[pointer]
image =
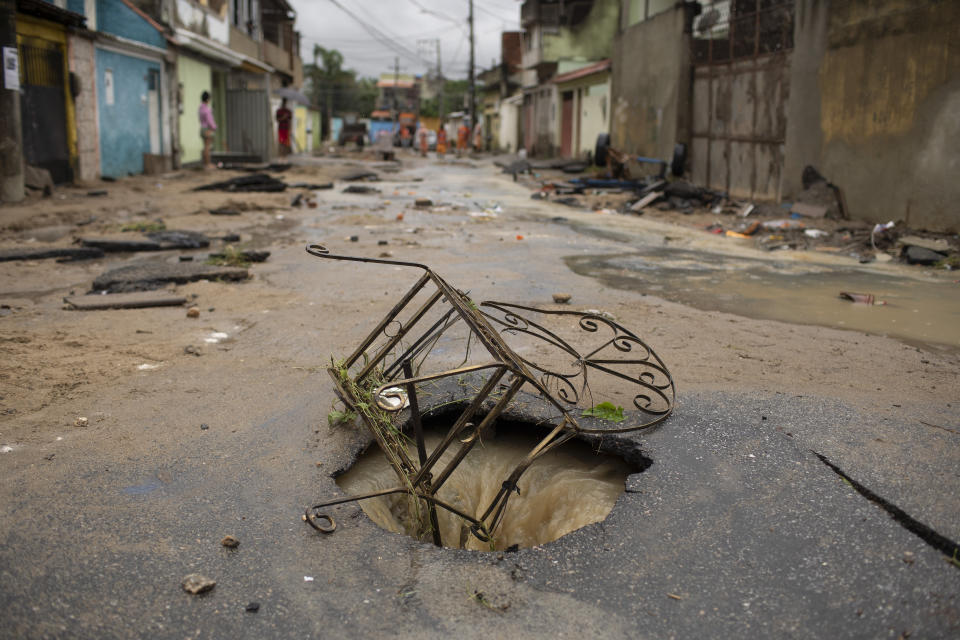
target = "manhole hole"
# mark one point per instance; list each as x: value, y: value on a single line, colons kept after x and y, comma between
x: 579, y: 375
x: 562, y: 491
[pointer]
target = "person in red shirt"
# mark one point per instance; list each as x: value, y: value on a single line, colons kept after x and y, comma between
x: 284, y: 119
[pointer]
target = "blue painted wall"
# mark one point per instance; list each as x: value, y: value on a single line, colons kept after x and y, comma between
x: 124, y: 125
x: 114, y: 17
x: 76, y: 6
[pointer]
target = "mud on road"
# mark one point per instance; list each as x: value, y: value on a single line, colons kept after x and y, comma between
x: 103, y: 519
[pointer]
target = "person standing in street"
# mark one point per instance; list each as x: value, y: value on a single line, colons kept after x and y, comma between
x: 207, y: 128
x: 441, y: 141
x: 284, y: 120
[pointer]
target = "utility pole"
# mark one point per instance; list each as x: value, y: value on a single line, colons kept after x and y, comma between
x: 396, y: 88
x: 11, y: 135
x: 473, y: 84
x: 441, y: 81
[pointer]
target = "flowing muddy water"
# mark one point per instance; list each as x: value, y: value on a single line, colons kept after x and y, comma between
x: 923, y: 311
x: 564, y: 490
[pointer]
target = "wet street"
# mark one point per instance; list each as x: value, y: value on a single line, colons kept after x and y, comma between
x: 806, y: 484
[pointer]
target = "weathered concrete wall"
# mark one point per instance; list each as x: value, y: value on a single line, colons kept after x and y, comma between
x: 83, y: 65
x: 889, y: 108
x: 589, y: 40
x: 651, y: 86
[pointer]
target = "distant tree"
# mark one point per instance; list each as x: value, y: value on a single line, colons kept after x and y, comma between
x: 336, y: 89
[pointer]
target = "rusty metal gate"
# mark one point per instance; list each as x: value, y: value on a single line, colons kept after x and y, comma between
x: 249, y: 125
x: 43, y: 107
x: 741, y: 58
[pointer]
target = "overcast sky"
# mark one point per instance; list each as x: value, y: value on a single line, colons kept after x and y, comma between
x: 397, y: 27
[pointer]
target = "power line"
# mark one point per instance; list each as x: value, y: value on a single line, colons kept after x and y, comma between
x: 381, y: 37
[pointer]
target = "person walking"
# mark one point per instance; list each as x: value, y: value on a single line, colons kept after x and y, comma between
x: 422, y: 140
x: 207, y: 128
x: 441, y: 141
x: 463, y: 136
x: 284, y: 119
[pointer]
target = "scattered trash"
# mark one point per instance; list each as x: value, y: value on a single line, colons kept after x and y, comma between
x: 308, y: 578
x: 782, y: 224
x: 6, y: 449
x: 747, y: 209
x: 399, y: 216
x: 815, y: 233
x: 193, y: 312
x: 191, y: 350
x: 519, y: 237
x: 606, y: 411
x: 648, y: 199
x: 97, y: 193
x: 147, y: 367
x: 561, y: 298
x: 253, y: 607
x: 225, y: 211
x: 297, y: 200
x: 382, y: 243
x: 230, y: 542
x: 197, y: 584
x: 354, y: 238
x: 859, y: 298
x: 81, y: 422
x: 422, y: 203
x: 215, y: 337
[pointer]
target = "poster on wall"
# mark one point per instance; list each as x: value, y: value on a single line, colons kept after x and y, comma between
x: 11, y: 69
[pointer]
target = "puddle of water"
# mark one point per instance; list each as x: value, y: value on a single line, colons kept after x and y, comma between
x: 564, y: 490
x: 922, y: 311
x: 143, y: 489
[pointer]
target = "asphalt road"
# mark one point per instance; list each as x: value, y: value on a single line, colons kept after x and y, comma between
x: 736, y: 529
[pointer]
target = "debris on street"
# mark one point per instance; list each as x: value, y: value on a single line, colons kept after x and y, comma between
x: 196, y: 584
x: 256, y: 182
x: 137, y: 300
x: 63, y: 254
x: 147, y: 276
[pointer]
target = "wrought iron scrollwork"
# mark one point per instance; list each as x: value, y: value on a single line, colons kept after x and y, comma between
x: 588, y: 353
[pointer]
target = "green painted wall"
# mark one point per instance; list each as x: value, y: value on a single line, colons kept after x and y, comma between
x: 592, y: 39
x: 194, y: 78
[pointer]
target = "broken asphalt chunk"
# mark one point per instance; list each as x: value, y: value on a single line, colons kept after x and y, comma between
x: 197, y: 584
x: 41, y: 253
x: 922, y: 255
x: 255, y: 182
x: 363, y: 174
x: 153, y: 241
x: 137, y: 300
x: 154, y: 275
x: 359, y: 188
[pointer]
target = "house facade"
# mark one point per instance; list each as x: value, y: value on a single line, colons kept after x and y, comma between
x: 560, y: 36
